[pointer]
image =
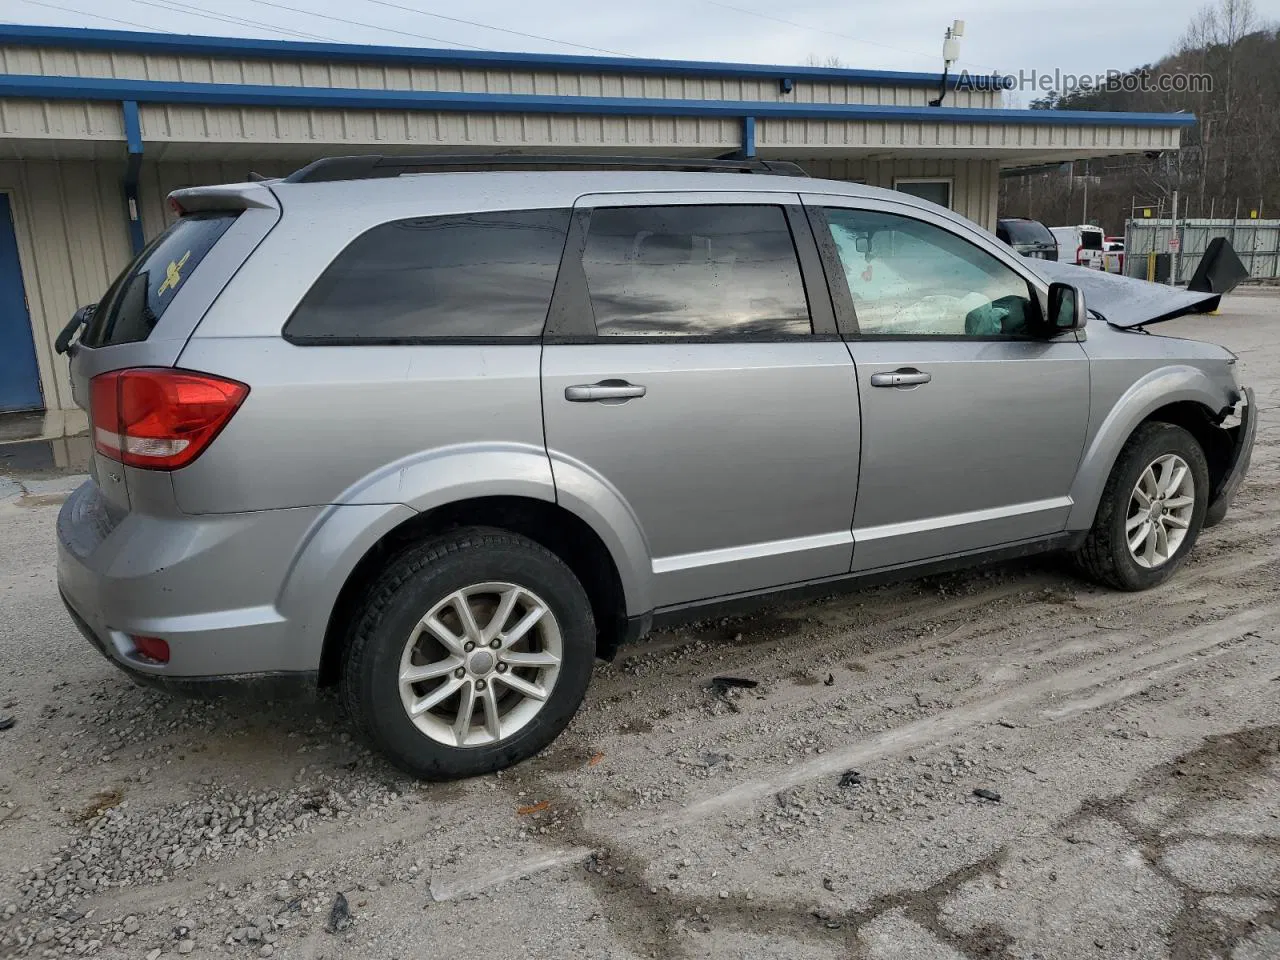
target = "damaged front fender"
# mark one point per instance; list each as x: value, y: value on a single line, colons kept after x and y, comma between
x: 1167, y: 386
x: 1243, y: 435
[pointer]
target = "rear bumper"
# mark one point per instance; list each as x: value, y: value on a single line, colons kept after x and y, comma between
x: 207, y: 585
x: 1241, y: 455
x: 301, y: 685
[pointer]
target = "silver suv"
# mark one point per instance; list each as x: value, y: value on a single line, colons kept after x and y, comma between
x: 442, y: 437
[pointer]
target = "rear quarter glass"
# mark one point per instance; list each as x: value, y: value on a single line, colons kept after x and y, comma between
x: 138, y: 298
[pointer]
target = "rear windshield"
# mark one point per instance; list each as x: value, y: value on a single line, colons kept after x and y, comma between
x: 1091, y: 239
x: 1027, y: 231
x: 134, y: 304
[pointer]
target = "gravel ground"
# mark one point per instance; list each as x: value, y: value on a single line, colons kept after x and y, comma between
x: 1127, y: 748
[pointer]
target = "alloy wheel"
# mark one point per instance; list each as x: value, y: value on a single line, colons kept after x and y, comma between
x: 1160, y: 511
x: 480, y: 664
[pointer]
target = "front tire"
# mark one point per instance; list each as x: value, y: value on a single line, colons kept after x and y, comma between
x: 1151, y: 512
x: 471, y: 652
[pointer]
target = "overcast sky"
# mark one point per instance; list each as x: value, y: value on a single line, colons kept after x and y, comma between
x: 1079, y: 36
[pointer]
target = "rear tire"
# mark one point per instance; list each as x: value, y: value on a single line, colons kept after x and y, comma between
x: 1148, y: 499
x: 442, y: 688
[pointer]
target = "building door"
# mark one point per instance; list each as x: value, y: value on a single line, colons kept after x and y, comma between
x: 19, y: 375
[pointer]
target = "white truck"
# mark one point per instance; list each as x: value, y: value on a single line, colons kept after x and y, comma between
x: 1082, y: 245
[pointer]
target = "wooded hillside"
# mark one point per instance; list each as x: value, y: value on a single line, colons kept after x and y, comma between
x: 1229, y: 160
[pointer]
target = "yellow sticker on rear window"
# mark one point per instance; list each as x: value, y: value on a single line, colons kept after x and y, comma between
x: 173, y: 274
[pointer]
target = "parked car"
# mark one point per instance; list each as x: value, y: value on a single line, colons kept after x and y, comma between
x: 444, y: 438
x: 1031, y: 238
x: 1081, y: 245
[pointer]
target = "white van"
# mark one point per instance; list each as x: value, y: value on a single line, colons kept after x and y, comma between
x: 1082, y: 245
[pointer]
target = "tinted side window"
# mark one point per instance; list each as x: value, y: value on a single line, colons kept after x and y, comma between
x: 908, y: 277
x: 473, y: 275
x: 138, y: 298
x: 694, y: 271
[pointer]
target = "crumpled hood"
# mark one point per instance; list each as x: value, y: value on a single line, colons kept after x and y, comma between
x: 1124, y: 301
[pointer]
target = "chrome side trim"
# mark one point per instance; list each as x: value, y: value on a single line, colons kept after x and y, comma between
x: 751, y: 551
x: 958, y: 519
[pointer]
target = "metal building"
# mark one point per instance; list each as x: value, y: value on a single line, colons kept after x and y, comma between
x: 96, y: 127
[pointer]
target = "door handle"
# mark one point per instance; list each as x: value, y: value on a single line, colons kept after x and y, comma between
x: 617, y: 391
x: 906, y: 377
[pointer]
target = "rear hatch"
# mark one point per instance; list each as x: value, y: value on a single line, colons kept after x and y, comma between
x: 147, y: 315
x: 1031, y: 238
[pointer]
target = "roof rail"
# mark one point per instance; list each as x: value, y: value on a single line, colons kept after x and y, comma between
x: 368, y: 167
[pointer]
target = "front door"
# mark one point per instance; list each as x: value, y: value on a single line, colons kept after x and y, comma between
x: 687, y: 383
x: 973, y: 415
x: 19, y: 375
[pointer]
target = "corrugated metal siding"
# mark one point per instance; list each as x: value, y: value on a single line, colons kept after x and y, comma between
x: 203, y: 69
x: 60, y: 120
x: 257, y: 125
x: 1007, y: 137
x: 975, y: 183
x: 84, y: 121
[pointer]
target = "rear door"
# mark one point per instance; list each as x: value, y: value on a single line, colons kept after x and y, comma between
x: 692, y: 369
x: 149, y: 311
x: 1091, y: 253
x: 973, y: 415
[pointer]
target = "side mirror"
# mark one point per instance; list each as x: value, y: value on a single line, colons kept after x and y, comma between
x: 1066, y: 307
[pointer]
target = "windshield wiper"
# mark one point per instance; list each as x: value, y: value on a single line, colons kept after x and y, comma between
x: 78, y: 321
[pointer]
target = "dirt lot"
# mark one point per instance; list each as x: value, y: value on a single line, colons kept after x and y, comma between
x: 1134, y: 742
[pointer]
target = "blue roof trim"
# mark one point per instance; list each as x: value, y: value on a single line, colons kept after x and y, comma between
x: 171, y: 43
x: 245, y: 95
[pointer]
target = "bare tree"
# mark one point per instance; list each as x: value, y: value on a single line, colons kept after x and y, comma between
x: 1233, y: 151
x: 1213, y: 40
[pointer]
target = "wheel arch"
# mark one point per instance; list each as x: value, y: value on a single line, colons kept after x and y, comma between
x: 558, y: 529
x: 1183, y: 396
x: 1203, y: 424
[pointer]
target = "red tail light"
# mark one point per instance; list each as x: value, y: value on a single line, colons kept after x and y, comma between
x: 158, y: 418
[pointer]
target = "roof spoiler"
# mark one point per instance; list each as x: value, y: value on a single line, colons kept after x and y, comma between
x: 227, y: 196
